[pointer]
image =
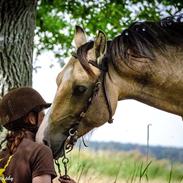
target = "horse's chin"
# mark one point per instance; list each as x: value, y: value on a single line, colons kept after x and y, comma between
x: 59, y: 152
x: 57, y: 146
x: 56, y: 139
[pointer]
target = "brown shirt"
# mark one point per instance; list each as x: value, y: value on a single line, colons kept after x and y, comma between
x: 30, y: 160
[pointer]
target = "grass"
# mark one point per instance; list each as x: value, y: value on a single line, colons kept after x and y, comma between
x: 87, y: 166
x: 121, y: 167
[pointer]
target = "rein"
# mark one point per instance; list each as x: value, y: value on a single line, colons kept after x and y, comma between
x: 72, y: 136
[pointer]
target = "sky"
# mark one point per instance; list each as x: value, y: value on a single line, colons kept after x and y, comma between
x: 131, y: 117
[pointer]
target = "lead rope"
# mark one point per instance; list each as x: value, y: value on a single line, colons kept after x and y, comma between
x: 68, y: 146
x: 58, y: 166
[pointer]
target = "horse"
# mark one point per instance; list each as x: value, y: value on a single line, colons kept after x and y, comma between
x: 144, y: 63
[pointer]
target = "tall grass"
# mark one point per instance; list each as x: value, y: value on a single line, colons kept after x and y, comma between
x: 118, y: 167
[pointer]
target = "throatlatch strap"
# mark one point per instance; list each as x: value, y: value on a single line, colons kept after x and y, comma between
x: 106, y: 94
x: 103, y: 68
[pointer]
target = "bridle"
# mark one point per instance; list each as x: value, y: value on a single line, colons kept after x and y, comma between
x: 73, y: 131
x: 101, y: 81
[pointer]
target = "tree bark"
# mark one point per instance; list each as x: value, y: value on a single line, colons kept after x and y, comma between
x: 17, y: 25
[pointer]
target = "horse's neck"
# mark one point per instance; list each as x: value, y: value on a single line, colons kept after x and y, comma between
x: 152, y: 82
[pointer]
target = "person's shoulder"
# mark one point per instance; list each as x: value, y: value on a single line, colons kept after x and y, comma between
x: 41, y: 148
x: 35, y: 146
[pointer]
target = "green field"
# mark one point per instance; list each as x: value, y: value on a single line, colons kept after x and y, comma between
x: 121, y: 167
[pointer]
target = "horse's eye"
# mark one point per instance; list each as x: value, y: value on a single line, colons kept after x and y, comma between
x: 78, y: 90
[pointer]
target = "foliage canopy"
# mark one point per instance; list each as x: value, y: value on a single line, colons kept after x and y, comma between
x: 56, y: 19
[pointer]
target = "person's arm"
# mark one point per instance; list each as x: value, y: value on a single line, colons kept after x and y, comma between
x: 42, y: 165
x: 42, y: 179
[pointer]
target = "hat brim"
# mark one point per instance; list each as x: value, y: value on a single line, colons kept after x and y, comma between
x: 47, y: 105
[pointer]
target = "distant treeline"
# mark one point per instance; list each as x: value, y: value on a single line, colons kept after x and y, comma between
x: 159, y: 152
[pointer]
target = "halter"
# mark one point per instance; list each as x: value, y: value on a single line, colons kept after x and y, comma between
x: 101, y: 81
x: 72, y: 136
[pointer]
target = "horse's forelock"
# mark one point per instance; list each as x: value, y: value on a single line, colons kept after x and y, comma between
x: 82, y: 56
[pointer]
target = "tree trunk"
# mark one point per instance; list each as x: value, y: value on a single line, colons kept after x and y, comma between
x: 17, y: 25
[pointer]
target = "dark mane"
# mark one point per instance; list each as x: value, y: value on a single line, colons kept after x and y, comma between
x: 142, y: 39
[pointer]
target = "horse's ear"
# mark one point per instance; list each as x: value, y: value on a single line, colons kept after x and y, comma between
x: 79, y: 37
x: 100, y: 46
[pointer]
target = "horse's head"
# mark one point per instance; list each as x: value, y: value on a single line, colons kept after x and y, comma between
x: 79, y: 91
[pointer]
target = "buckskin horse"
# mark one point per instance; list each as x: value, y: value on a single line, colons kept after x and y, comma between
x: 144, y: 62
